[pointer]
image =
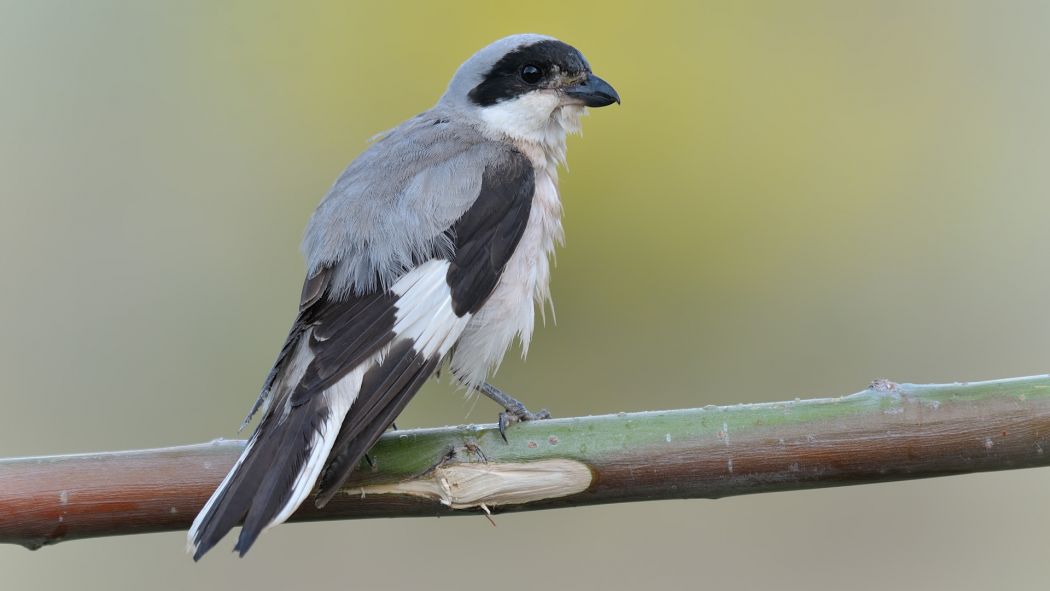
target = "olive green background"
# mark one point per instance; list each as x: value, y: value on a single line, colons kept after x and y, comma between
x: 795, y: 198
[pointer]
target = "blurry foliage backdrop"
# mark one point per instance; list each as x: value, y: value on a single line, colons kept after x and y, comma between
x: 794, y: 198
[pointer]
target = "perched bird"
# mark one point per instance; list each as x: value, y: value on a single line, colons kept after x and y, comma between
x: 431, y: 248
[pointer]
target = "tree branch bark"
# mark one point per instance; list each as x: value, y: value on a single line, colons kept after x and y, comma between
x: 884, y: 433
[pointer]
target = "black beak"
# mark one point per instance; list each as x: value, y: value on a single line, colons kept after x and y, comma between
x: 594, y: 92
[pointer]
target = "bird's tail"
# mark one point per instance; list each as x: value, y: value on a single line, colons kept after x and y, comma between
x: 372, y: 353
x: 277, y: 469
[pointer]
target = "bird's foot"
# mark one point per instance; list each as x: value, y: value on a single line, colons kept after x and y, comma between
x: 514, y: 412
x: 509, y: 417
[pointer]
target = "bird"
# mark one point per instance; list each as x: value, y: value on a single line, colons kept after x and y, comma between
x: 430, y: 251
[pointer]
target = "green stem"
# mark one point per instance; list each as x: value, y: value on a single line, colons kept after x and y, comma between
x: 886, y: 432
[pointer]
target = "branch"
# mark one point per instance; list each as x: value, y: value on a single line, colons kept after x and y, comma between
x: 887, y: 432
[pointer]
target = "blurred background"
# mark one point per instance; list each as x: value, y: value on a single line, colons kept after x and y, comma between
x: 793, y: 199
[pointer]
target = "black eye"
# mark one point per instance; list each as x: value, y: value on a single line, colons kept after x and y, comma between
x: 531, y: 74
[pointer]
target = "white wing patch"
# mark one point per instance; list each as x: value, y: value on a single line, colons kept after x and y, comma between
x: 424, y: 309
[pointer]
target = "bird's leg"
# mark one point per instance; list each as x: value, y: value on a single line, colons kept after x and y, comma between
x: 514, y: 410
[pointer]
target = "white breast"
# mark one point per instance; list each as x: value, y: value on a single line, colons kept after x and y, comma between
x: 525, y: 283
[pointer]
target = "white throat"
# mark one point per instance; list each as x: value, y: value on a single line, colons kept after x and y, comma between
x: 538, y: 119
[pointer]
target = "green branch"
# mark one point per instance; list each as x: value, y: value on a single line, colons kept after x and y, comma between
x: 887, y: 432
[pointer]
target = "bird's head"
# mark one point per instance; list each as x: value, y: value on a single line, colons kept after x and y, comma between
x: 529, y: 87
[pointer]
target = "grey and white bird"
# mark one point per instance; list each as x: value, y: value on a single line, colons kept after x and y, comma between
x: 431, y: 249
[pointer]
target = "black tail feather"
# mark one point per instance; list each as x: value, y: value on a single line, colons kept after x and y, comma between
x: 261, y: 486
x: 385, y: 390
x: 291, y: 456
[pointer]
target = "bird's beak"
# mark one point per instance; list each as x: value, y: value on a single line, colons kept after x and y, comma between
x: 594, y: 92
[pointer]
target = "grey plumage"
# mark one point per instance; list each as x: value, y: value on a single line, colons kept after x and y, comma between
x: 393, y: 204
x: 432, y: 247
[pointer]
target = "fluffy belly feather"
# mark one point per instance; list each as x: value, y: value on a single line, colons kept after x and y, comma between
x: 510, y: 310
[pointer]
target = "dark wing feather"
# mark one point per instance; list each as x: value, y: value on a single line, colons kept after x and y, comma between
x: 314, y: 288
x: 344, y: 336
x: 487, y: 234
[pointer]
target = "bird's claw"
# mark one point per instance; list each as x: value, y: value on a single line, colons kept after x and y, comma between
x: 517, y: 415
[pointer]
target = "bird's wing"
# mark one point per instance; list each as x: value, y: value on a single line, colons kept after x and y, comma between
x: 484, y: 239
x: 392, y: 207
x: 358, y: 351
